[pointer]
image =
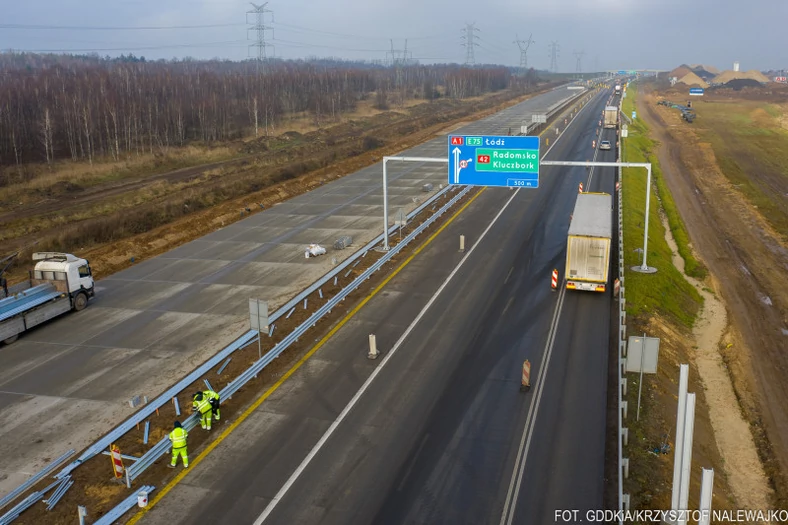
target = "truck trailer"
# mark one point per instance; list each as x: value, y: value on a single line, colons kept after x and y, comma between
x: 618, y: 89
x: 611, y: 117
x: 59, y: 283
x: 588, y: 243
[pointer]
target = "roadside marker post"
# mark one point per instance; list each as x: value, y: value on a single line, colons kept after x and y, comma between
x: 525, y: 384
x: 580, y: 188
x: 554, y: 280
x: 117, y: 461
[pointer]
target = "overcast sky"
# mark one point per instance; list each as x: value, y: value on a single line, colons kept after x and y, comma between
x: 613, y: 34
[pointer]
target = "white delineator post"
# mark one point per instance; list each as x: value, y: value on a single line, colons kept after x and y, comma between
x: 679, y: 442
x: 373, y: 347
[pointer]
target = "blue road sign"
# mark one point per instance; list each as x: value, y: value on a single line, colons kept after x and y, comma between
x: 696, y: 91
x: 494, y: 161
x: 634, y: 115
x: 622, y: 72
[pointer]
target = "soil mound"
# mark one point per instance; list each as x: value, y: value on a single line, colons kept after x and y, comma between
x: 691, y: 79
x: 680, y: 72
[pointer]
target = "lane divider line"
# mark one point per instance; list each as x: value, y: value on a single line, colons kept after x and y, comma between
x: 522, y: 452
x: 312, y: 453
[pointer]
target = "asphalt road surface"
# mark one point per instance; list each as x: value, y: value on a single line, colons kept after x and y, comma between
x: 66, y: 383
x: 435, y: 437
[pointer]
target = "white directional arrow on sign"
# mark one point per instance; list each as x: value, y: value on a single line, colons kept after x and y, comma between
x: 456, y: 152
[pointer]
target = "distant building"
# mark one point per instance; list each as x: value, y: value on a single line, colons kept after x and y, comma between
x: 735, y: 66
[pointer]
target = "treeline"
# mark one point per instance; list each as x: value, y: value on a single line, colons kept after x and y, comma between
x: 93, y: 107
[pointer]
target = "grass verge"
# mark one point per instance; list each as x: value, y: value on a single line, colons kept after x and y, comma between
x: 665, y: 292
x: 639, y: 146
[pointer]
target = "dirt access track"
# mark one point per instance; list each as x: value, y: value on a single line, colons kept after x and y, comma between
x: 748, y: 261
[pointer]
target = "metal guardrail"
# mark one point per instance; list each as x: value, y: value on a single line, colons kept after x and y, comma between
x: 60, y: 491
x: 123, y: 507
x: 622, y: 466
x: 11, y: 496
x: 163, y: 446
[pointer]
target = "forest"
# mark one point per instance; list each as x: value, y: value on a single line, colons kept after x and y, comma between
x: 82, y: 108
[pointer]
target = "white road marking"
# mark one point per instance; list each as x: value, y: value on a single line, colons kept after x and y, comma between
x: 530, y: 423
x: 331, y: 429
x: 312, y: 453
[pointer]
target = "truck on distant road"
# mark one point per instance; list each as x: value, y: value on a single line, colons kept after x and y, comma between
x: 611, y: 117
x: 618, y: 89
x: 59, y: 283
x: 588, y: 243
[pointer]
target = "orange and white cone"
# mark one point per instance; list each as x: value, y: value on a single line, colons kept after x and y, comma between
x: 554, y: 280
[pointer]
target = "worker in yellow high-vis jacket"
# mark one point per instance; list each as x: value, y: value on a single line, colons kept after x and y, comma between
x: 178, y: 439
x: 206, y: 403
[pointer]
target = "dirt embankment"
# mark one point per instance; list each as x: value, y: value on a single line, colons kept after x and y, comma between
x: 265, y: 172
x: 748, y: 259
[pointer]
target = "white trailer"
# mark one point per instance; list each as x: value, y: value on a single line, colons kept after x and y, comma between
x: 588, y: 243
x: 59, y: 283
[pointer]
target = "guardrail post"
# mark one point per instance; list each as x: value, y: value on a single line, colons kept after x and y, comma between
x: 625, y: 501
x: 624, y: 408
x: 625, y: 467
x: 623, y: 387
x: 625, y: 435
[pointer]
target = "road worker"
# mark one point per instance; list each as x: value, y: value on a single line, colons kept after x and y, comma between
x: 178, y: 439
x: 206, y: 403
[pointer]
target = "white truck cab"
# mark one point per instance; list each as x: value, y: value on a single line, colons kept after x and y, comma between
x: 69, y: 273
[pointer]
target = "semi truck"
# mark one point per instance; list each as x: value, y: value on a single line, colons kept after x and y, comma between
x: 611, y: 117
x: 588, y: 243
x: 618, y: 89
x: 59, y: 283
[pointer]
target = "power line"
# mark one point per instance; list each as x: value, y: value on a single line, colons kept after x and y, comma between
x: 469, y: 42
x: 110, y: 28
x: 238, y: 43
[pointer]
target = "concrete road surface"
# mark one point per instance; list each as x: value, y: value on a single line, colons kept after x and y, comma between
x: 436, y: 435
x: 66, y: 383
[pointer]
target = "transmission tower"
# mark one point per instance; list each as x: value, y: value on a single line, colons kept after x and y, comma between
x: 554, y: 54
x: 469, y: 42
x: 259, y: 27
x: 524, y: 50
x: 579, y: 57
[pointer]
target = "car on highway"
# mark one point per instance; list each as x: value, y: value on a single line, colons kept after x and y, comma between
x: 605, y: 144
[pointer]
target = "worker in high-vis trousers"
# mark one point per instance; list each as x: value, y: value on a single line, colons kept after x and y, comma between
x: 205, y: 404
x: 178, y: 439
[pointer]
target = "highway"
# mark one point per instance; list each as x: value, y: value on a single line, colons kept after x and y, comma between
x: 67, y: 382
x: 442, y: 433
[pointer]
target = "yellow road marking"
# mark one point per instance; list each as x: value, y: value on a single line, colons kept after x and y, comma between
x: 192, y: 464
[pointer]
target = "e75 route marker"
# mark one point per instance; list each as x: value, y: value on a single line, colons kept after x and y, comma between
x: 506, y: 161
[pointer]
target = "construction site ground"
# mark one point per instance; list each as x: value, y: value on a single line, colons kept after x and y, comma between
x: 721, y: 176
